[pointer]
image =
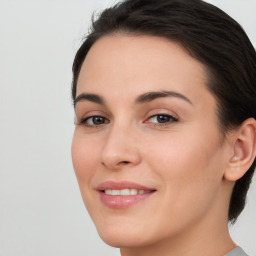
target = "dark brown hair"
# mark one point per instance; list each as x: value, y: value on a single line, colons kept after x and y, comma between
x: 209, y: 35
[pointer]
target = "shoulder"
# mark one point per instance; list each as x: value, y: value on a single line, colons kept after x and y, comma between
x: 238, y: 251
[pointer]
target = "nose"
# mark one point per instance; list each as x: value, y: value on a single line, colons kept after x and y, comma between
x: 120, y: 148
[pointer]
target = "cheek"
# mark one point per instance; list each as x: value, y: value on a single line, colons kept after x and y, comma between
x: 189, y: 165
x: 188, y: 170
x: 84, y: 157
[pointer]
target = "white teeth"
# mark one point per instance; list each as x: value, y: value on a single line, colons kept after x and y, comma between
x: 116, y: 192
x: 133, y: 192
x: 124, y: 192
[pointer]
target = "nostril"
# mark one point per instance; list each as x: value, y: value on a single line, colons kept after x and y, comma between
x: 124, y: 162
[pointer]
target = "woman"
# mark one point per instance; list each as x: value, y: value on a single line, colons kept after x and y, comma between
x: 164, y: 145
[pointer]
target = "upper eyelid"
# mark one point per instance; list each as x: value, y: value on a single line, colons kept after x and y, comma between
x: 91, y: 113
x: 82, y: 119
x: 162, y: 114
x: 161, y: 111
x: 91, y: 116
x: 150, y: 113
x: 84, y: 122
x: 171, y: 116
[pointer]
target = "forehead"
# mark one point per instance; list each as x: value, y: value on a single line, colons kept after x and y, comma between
x: 137, y: 64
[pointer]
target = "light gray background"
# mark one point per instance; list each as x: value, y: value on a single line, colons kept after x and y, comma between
x: 41, y: 211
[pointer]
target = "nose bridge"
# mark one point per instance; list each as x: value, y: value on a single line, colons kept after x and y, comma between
x: 120, y: 146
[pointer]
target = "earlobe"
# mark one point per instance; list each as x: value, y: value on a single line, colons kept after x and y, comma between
x: 244, y: 150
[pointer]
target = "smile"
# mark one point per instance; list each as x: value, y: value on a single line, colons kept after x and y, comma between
x: 125, y: 192
x: 120, y: 195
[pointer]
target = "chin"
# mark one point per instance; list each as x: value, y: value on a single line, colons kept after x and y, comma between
x: 118, y: 242
x: 121, y: 237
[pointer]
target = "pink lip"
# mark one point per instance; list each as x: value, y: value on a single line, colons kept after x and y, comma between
x: 121, y: 202
x: 122, y: 185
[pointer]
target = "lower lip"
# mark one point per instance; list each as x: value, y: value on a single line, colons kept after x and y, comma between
x: 121, y: 202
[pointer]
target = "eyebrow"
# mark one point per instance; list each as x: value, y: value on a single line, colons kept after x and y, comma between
x: 90, y: 97
x: 150, y: 96
x: 143, y: 98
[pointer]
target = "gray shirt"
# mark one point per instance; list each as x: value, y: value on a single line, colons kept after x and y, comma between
x: 238, y: 251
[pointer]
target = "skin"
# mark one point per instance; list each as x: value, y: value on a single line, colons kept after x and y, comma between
x: 185, y: 159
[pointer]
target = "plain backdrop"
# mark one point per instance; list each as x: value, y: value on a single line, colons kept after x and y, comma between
x: 41, y: 210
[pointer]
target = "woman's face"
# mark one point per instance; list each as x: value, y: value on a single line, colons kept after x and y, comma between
x: 147, y: 150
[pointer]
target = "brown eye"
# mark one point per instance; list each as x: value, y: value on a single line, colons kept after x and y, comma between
x: 98, y: 120
x: 94, y: 121
x: 161, y: 119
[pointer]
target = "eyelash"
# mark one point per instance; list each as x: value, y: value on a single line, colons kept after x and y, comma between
x: 84, y: 121
x: 170, y: 120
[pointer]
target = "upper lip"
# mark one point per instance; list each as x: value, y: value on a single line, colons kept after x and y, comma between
x: 122, y: 185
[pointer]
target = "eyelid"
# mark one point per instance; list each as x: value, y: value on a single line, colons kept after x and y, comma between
x: 173, y: 119
x: 154, y: 113
x: 90, y: 114
x: 161, y: 111
x: 85, y: 120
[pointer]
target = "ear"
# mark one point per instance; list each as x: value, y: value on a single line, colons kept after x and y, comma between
x: 243, y: 150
